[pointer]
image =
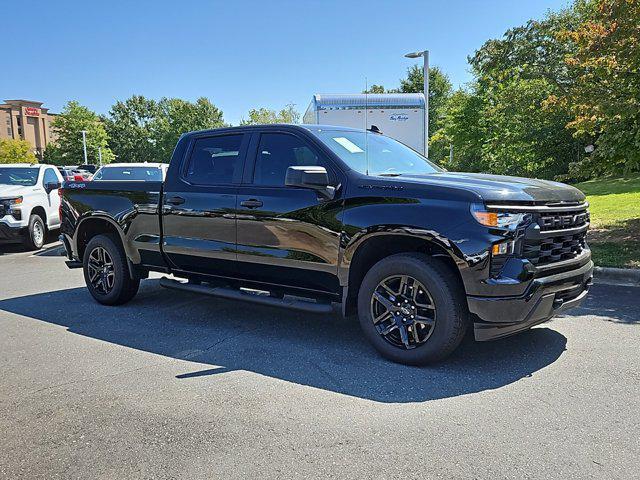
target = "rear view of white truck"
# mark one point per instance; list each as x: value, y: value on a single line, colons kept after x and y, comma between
x: 397, y: 115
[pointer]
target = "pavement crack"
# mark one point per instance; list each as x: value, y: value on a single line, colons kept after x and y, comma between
x: 219, y: 342
x: 100, y: 377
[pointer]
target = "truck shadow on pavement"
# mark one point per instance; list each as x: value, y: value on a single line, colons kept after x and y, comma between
x: 325, y: 352
x: 613, y: 303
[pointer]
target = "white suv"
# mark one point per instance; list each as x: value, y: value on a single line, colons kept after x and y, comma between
x: 29, y: 202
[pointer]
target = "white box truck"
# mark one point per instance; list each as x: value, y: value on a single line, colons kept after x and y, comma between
x: 397, y: 115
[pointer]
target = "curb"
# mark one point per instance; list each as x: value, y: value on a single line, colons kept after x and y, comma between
x: 626, y: 277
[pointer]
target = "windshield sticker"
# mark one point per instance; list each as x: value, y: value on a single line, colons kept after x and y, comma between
x: 348, y: 144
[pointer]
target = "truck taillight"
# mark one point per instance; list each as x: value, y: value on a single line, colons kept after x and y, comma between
x: 60, y: 191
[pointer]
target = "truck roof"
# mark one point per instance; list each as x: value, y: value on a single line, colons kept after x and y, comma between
x: 139, y: 164
x: 26, y: 165
x: 274, y: 126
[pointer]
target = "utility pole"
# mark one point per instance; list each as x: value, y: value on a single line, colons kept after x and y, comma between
x: 451, y: 153
x: 425, y: 56
x: 100, y: 156
x: 84, y: 145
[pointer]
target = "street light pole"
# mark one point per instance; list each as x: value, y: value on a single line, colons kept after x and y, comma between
x: 84, y: 145
x: 425, y: 56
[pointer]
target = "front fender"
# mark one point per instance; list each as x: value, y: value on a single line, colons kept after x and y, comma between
x: 356, y: 241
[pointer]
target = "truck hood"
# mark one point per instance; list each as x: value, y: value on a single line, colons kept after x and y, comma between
x: 12, y: 191
x: 498, y: 188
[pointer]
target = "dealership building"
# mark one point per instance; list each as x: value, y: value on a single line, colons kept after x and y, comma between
x: 27, y: 120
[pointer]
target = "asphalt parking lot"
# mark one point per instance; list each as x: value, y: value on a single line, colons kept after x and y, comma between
x: 174, y: 385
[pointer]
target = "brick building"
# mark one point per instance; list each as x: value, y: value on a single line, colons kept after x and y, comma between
x: 27, y: 120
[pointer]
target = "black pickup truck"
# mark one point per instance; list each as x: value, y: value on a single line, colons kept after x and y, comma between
x: 318, y: 218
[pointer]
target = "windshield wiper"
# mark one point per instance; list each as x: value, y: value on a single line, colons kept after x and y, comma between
x: 389, y: 174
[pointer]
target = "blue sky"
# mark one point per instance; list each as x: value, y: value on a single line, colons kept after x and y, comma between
x: 239, y: 54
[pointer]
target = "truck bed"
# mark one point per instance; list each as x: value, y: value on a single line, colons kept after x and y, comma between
x: 132, y: 205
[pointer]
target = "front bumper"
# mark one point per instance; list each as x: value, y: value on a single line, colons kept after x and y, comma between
x: 545, y: 297
x: 11, y: 233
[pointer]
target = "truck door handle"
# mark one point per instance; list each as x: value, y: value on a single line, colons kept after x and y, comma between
x: 251, y: 203
x: 175, y: 200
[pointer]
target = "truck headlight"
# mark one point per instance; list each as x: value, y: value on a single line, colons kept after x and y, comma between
x: 12, y: 207
x: 497, y: 219
x: 12, y: 201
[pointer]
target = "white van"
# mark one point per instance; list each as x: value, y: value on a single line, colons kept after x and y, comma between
x: 29, y: 202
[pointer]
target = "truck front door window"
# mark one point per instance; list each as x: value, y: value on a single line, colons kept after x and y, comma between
x: 276, y: 153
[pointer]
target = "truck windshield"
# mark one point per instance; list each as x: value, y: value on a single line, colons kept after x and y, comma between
x: 150, y: 174
x: 18, y: 176
x: 386, y: 156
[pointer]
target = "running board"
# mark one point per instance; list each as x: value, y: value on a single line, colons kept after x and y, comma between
x: 232, y: 294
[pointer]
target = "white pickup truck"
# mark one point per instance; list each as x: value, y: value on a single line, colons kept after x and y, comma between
x: 29, y: 203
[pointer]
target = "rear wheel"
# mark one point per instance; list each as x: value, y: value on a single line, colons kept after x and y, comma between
x: 36, y: 231
x: 106, y: 272
x: 412, y: 309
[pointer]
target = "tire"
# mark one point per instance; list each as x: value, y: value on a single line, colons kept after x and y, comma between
x: 115, y: 286
x: 36, y: 232
x: 441, y: 308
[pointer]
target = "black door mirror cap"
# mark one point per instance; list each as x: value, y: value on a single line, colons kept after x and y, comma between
x: 312, y: 177
x: 51, y: 186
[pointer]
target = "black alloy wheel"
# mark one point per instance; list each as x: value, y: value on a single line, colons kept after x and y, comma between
x: 412, y: 308
x: 403, y: 311
x: 101, y: 270
x: 107, y: 272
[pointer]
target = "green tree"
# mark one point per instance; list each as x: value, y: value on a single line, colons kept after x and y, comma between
x: 130, y: 129
x: 439, y: 91
x: 16, y: 151
x: 525, y: 136
x: 265, y: 115
x: 68, y: 128
x: 517, y: 79
x: 175, y: 117
x: 605, y: 97
x: 463, y: 127
x: 375, y: 89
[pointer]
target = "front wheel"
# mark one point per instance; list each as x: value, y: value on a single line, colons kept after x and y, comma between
x: 411, y: 308
x: 106, y: 272
x: 36, y: 231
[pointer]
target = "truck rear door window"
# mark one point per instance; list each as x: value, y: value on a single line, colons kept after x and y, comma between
x: 214, y: 160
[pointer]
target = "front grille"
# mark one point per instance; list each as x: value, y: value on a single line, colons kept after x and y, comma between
x: 554, y: 249
x: 555, y: 236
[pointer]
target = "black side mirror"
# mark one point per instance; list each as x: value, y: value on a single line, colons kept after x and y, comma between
x: 315, y: 178
x: 51, y: 186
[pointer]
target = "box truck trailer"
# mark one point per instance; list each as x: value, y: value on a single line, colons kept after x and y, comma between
x: 397, y: 115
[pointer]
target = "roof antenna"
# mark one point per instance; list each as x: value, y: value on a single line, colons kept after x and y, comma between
x: 366, y: 123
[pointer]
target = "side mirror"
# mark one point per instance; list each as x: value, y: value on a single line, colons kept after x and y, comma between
x: 51, y: 186
x: 312, y: 177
